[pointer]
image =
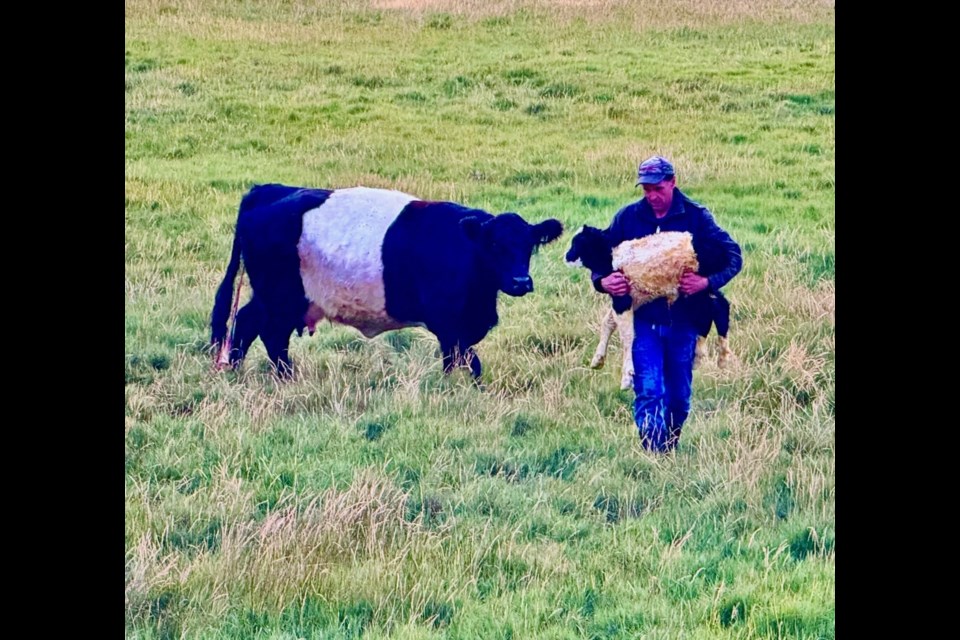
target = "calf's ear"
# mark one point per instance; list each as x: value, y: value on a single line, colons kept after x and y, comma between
x: 547, y: 231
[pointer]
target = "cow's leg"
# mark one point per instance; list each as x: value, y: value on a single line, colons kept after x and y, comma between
x: 624, y: 322
x: 455, y: 357
x: 448, y: 347
x: 607, y: 326
x: 247, y: 327
x: 448, y: 365
x: 276, y: 338
x: 472, y: 360
x: 457, y: 353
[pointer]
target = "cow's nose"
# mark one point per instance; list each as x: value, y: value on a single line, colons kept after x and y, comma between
x: 524, y: 284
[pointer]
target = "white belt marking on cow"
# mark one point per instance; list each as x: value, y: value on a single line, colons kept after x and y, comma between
x: 341, y: 260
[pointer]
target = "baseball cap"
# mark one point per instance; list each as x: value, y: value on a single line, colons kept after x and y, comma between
x: 653, y: 170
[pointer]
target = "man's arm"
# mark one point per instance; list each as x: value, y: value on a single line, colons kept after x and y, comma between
x: 614, y: 235
x: 725, y: 246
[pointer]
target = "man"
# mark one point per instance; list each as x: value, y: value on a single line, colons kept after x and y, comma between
x: 665, y: 336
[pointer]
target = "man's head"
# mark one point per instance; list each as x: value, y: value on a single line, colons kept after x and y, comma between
x: 658, y: 179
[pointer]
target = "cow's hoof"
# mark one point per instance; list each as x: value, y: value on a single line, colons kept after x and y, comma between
x: 597, y: 362
x: 626, y: 383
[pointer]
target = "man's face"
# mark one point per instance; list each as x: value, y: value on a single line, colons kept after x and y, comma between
x: 660, y: 195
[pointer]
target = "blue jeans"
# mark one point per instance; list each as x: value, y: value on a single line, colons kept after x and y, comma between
x: 663, y: 375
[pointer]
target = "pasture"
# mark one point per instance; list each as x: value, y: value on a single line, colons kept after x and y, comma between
x: 374, y: 497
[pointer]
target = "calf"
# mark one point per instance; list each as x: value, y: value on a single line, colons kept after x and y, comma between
x: 589, y: 248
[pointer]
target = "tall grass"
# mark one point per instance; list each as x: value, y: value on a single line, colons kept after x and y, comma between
x: 372, y: 495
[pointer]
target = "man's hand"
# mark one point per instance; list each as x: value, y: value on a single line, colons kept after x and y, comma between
x: 691, y: 283
x: 615, y: 284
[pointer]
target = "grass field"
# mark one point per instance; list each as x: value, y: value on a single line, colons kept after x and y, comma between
x: 372, y: 496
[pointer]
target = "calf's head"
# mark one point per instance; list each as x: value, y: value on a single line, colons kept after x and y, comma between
x: 590, y: 248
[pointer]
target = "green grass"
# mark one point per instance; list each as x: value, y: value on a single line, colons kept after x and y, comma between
x: 372, y: 496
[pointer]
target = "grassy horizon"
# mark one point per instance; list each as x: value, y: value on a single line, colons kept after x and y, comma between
x: 374, y: 497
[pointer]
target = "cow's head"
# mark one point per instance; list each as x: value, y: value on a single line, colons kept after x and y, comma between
x: 506, y: 243
x: 591, y: 249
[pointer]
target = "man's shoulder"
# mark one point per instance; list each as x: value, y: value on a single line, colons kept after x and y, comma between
x: 628, y: 210
x: 694, y: 207
x: 630, y: 206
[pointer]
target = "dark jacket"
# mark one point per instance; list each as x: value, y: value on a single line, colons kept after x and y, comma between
x: 717, y: 253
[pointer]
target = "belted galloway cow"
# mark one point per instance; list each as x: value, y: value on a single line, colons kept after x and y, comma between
x: 374, y: 259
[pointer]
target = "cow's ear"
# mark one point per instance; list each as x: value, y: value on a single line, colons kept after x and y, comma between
x: 547, y: 231
x: 471, y: 226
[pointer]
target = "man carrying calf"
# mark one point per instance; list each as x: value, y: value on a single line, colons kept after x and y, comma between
x: 665, y: 335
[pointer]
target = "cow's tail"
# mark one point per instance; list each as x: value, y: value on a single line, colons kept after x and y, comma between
x: 221, y: 304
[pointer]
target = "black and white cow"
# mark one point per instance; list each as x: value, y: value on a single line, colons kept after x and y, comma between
x: 376, y: 260
x: 590, y: 248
